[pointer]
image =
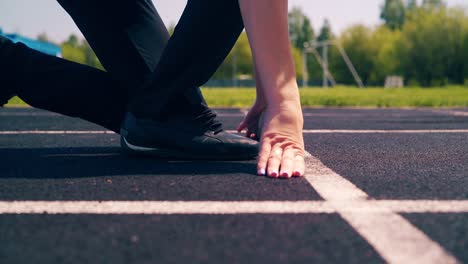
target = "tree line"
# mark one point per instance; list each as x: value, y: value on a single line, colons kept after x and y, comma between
x: 425, y: 43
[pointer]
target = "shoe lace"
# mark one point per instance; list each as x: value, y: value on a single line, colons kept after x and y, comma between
x: 208, y: 119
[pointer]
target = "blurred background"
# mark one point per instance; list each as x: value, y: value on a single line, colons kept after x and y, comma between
x: 390, y: 43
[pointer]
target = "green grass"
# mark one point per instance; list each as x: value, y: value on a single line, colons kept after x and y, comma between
x: 350, y: 97
x: 453, y: 96
x: 16, y: 101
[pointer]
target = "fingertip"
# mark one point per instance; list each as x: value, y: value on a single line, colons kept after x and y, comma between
x: 261, y: 172
x: 298, y: 174
x: 240, y: 127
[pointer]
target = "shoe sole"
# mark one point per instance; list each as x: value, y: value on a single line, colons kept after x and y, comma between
x: 164, y: 153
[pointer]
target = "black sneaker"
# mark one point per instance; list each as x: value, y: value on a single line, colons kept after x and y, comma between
x: 185, y: 137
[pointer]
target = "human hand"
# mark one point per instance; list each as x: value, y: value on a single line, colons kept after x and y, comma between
x: 281, y: 139
x: 252, y: 121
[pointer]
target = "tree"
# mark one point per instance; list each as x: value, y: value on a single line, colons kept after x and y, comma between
x: 326, y: 31
x: 384, y: 46
x: 171, y: 28
x: 79, y: 51
x: 433, y: 3
x: 72, y: 53
x: 464, y: 56
x: 411, y: 5
x: 393, y: 13
x: 298, y: 65
x: 43, y: 37
x: 357, y: 42
x: 90, y: 57
x: 240, y: 57
x: 300, y: 28
x: 432, y: 48
x: 73, y: 41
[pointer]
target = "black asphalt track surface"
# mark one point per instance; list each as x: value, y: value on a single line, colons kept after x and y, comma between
x: 89, y: 167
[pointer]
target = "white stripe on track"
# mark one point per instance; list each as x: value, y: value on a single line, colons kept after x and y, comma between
x: 231, y: 207
x: 450, y: 112
x: 163, y: 207
x: 50, y: 114
x: 57, y: 132
x: 30, y: 114
x: 306, y: 131
x: 350, y: 131
x: 392, y: 236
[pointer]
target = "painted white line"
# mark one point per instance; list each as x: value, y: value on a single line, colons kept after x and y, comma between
x: 306, y: 131
x: 241, y: 114
x: 373, y: 131
x: 29, y: 114
x: 419, y: 206
x: 231, y: 207
x: 450, y: 112
x: 50, y: 114
x: 392, y: 236
x: 57, y: 132
x: 163, y: 207
x: 350, y: 131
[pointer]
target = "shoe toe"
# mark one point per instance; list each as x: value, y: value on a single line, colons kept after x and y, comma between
x: 240, y: 145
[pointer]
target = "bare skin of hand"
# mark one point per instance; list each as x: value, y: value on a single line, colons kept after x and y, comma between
x: 282, y: 144
x: 276, y: 117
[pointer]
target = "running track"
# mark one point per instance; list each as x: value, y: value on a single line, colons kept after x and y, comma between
x: 382, y: 185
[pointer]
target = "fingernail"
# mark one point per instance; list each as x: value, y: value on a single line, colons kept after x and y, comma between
x: 274, y: 174
x: 297, y: 173
x: 261, y: 172
x: 285, y: 174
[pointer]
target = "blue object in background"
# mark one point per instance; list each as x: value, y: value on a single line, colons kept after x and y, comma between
x: 44, y: 47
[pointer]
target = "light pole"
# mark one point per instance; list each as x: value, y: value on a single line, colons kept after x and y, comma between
x: 311, y: 47
x: 325, y: 65
x: 305, y: 71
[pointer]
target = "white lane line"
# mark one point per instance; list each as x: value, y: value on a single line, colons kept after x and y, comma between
x: 56, y: 132
x: 50, y: 114
x: 164, y: 207
x: 306, y: 131
x: 29, y: 114
x: 450, y: 112
x: 243, y: 112
x: 419, y: 206
x: 392, y: 236
x: 231, y: 207
x: 390, y: 131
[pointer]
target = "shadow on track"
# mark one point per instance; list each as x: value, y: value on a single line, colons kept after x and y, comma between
x: 81, y: 162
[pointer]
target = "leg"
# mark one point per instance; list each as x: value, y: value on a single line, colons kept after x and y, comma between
x: 127, y: 36
x: 61, y: 86
x: 130, y: 29
x: 129, y: 41
x: 206, y: 32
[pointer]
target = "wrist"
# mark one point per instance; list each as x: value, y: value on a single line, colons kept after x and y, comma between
x: 286, y: 95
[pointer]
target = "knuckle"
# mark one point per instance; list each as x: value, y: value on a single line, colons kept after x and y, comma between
x: 272, y: 158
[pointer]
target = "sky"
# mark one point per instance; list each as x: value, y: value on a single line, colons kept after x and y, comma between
x: 32, y: 17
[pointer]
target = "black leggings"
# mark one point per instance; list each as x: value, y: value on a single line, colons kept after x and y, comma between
x: 146, y: 71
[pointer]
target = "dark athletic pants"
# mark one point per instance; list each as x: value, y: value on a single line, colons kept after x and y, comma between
x: 147, y: 73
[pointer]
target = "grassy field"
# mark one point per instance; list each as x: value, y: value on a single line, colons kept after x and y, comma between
x: 351, y: 97
x: 454, y: 96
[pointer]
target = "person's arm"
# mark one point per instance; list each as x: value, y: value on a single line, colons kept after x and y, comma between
x: 277, y: 110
